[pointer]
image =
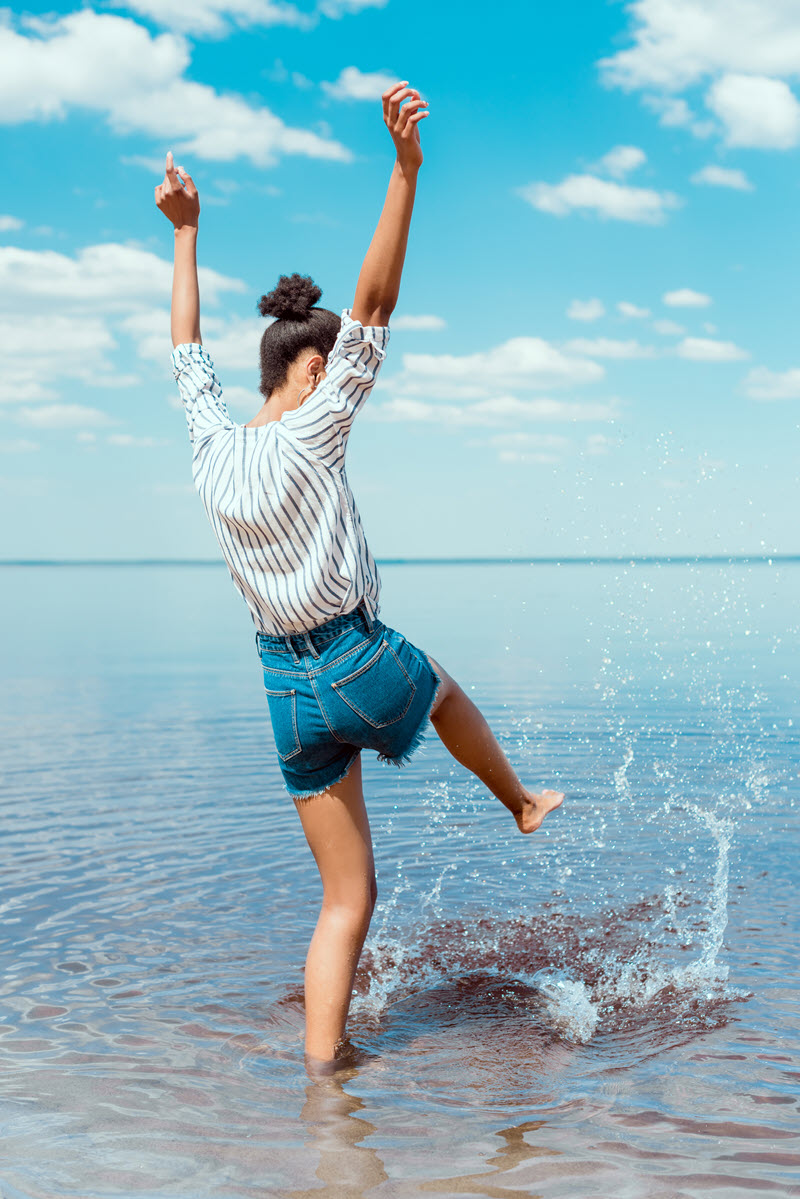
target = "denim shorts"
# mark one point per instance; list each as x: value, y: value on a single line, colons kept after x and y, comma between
x: 348, y: 684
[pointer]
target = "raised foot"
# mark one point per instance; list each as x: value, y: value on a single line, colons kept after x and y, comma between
x: 535, y: 808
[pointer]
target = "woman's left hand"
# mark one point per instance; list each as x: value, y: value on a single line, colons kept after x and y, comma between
x: 402, y: 122
x: 177, y: 196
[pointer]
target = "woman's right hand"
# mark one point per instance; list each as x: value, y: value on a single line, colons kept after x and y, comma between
x: 177, y: 196
x: 403, y: 122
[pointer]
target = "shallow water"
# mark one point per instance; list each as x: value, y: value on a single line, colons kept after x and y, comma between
x: 607, y: 1007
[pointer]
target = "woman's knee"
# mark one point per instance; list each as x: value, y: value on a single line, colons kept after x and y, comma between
x: 351, y: 903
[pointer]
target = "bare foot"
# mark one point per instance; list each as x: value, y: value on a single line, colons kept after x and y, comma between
x: 535, y: 808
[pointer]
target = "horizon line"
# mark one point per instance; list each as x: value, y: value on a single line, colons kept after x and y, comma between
x: 561, y: 560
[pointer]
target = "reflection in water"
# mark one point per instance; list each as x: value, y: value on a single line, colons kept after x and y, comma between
x: 347, y: 1167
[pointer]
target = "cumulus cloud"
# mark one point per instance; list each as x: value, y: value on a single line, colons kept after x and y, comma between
x: 110, y: 65
x: 747, y: 49
x: 755, y: 111
x: 536, y: 448
x: 625, y: 308
x: 353, y: 84
x: 214, y: 18
x: 340, y: 8
x: 684, y: 297
x: 494, y: 411
x: 233, y: 343
x: 422, y: 322
x: 723, y: 177
x: 10, y: 224
x: 764, y: 384
x: 703, y: 349
x: 131, y: 441
x: 111, y: 276
x: 669, y: 328
x: 60, y: 315
x: 522, y: 363
x: 606, y: 347
x: 674, y: 113
x: 621, y: 160
x: 677, y: 43
x: 613, y: 201
x: 586, y: 310
x: 62, y: 416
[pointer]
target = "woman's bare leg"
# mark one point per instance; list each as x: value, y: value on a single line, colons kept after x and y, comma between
x: 465, y: 733
x: 337, y: 830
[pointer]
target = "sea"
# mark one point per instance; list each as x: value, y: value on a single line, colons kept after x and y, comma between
x: 608, y: 1007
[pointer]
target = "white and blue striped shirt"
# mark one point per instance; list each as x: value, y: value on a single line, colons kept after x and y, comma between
x: 277, y: 494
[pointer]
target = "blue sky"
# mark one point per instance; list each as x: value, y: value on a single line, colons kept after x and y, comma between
x: 594, y: 350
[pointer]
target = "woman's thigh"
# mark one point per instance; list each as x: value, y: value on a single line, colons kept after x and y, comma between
x: 338, y: 833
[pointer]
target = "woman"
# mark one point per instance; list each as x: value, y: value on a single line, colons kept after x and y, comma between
x: 276, y: 492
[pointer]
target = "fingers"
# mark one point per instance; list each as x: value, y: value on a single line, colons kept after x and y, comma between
x: 394, y: 96
x: 409, y: 115
x: 187, y: 180
x: 172, y: 174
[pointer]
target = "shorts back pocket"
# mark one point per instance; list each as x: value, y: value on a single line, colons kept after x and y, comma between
x: 283, y: 714
x: 380, y: 691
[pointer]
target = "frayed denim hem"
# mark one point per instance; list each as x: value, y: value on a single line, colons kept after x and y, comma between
x: 321, y: 790
x: 421, y: 734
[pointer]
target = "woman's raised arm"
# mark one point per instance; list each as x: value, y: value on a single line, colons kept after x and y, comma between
x: 178, y: 200
x: 379, y: 281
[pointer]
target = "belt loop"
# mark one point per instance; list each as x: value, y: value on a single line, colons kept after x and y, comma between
x: 311, y: 645
x: 290, y: 646
x: 362, y: 607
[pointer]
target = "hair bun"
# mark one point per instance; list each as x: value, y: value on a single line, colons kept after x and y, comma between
x: 292, y: 299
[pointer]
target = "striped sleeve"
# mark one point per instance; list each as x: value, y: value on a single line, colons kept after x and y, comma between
x: 324, y: 420
x: 200, y: 390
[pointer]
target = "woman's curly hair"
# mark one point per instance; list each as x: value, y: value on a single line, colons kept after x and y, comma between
x: 298, y: 326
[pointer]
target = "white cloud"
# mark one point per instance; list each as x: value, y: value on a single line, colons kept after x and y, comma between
x: 606, y: 347
x: 38, y: 350
x: 109, y: 64
x: 528, y: 441
x: 703, y: 349
x: 723, y: 177
x: 59, y: 314
x: 679, y: 42
x: 421, y: 322
x: 614, y: 201
x: 684, y: 297
x: 675, y: 113
x: 62, y: 416
x: 353, y: 84
x: 599, y: 443
x: 764, y: 384
x: 215, y: 17
x: 130, y: 441
x: 109, y: 276
x: 233, y: 343
x: 669, y: 328
x: 586, y: 310
x: 756, y: 112
x: 527, y: 363
x: 9, y: 224
x: 18, y: 445
x: 627, y: 309
x: 537, y: 448
x: 747, y: 49
x: 621, y: 160
x: 339, y: 8
x: 490, y: 412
